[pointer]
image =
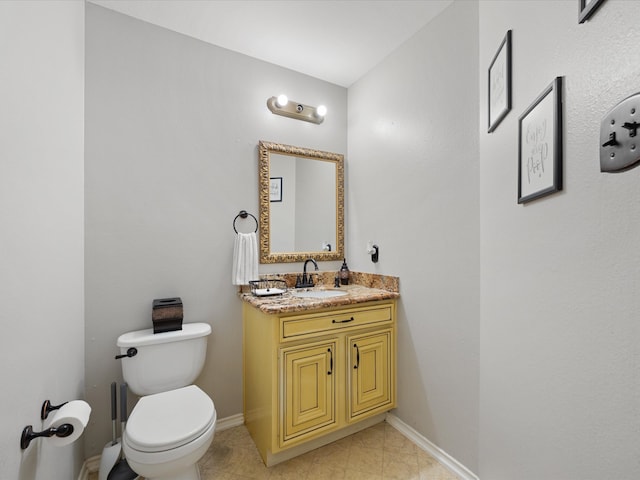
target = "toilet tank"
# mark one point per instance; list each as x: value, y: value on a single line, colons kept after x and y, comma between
x: 164, y: 361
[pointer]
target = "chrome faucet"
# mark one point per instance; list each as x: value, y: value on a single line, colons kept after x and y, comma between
x: 305, y: 281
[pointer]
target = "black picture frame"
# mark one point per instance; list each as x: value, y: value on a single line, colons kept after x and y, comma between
x: 499, y: 84
x: 540, y: 145
x: 275, y: 189
x: 586, y: 8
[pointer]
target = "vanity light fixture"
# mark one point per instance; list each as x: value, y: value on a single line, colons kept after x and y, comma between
x: 281, y: 105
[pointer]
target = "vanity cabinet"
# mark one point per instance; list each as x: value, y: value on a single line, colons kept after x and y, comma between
x: 370, y: 370
x: 313, y: 377
x: 308, y: 399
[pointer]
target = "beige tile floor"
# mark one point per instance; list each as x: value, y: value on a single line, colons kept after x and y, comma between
x: 377, y: 453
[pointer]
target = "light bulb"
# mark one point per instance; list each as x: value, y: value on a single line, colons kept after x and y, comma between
x: 282, y: 100
x: 321, y: 110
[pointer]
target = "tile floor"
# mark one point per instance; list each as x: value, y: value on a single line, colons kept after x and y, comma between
x: 377, y: 453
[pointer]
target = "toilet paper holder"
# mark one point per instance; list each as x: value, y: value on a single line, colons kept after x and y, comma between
x: 48, y: 408
x: 28, y: 434
x: 61, y: 431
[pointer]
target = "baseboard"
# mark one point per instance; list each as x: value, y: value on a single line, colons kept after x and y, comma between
x: 84, y: 471
x: 436, y: 452
x: 92, y: 464
x: 229, y: 422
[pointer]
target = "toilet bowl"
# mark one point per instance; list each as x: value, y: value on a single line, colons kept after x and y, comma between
x: 173, y: 424
x: 167, y: 433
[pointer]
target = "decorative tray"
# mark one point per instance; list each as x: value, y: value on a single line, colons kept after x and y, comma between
x: 267, y: 288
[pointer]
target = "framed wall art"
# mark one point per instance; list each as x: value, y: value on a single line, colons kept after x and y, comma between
x: 587, y: 8
x: 500, y: 83
x: 275, y: 189
x: 540, y: 145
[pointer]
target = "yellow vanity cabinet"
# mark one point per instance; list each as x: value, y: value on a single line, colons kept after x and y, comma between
x: 308, y: 389
x: 371, y: 372
x: 316, y: 376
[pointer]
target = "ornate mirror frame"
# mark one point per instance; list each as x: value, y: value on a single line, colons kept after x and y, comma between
x: 266, y: 256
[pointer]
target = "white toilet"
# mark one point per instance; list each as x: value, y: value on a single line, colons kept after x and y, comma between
x: 172, y: 425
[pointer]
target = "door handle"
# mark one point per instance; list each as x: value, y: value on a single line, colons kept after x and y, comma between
x: 357, y: 356
x: 330, y: 361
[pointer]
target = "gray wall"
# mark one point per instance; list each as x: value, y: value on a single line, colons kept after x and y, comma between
x: 560, y: 336
x: 518, y: 338
x: 172, y: 127
x: 413, y: 189
x: 41, y: 239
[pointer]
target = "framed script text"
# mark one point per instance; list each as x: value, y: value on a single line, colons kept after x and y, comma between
x: 540, y: 145
x: 499, y: 97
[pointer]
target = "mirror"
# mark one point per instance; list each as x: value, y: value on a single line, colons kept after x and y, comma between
x: 301, y: 204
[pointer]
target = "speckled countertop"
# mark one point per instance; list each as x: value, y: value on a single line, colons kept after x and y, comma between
x: 363, y: 287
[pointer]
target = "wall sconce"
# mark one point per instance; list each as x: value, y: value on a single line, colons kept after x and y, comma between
x: 281, y: 105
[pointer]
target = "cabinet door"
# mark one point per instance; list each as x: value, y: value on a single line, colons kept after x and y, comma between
x: 308, y: 389
x: 371, y: 373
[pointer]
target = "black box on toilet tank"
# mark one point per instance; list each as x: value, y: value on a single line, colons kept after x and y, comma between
x: 167, y: 314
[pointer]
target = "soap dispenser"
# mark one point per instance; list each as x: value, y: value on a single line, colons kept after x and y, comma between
x: 344, y: 273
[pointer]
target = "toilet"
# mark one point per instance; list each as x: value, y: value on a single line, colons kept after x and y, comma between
x: 173, y: 423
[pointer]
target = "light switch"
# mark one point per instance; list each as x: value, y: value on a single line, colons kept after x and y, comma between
x: 620, y: 136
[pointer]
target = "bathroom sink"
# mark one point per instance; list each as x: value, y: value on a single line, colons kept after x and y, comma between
x: 318, y: 293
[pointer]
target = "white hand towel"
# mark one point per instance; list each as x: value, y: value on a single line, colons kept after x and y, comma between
x: 245, y: 258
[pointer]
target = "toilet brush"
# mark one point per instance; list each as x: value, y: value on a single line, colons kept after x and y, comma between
x: 122, y: 470
x: 111, y: 451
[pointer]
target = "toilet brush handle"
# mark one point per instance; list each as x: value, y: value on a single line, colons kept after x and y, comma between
x: 123, y: 404
x: 114, y: 413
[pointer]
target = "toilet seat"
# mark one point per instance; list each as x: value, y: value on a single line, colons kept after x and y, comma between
x: 168, y: 420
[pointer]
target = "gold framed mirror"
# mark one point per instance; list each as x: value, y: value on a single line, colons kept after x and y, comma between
x: 301, y: 203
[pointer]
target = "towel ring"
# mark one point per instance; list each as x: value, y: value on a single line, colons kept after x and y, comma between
x: 244, y: 214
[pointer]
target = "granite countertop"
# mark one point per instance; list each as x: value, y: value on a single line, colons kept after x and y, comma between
x: 362, y: 288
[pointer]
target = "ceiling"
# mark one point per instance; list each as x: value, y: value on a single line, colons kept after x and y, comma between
x: 334, y: 40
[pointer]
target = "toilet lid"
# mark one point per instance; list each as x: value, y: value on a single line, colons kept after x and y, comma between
x: 168, y: 420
